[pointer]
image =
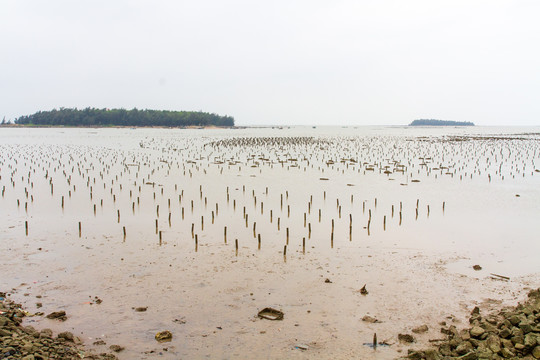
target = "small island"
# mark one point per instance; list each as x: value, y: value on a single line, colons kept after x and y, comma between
x: 93, y: 117
x: 434, y: 122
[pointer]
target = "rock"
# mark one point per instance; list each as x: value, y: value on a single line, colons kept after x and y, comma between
x: 464, y: 348
x: 415, y: 355
x: 477, y: 267
x: 445, y: 349
x: 406, y: 338
x: 164, y: 336
x: 60, y: 315
x: 141, y: 308
x: 536, y: 352
x: 420, y: 329
x: 66, y: 335
x: 46, y: 333
x: 493, y: 343
x: 514, y: 320
x: 328, y: 281
x: 505, y: 333
x: 431, y: 354
x: 530, y: 341
x: 477, y: 331
x: 469, y: 356
x: 507, y: 354
x: 4, y: 321
x: 526, y: 327
x: 369, y: 319
x: 118, y: 348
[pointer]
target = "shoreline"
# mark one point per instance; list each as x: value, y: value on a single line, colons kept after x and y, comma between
x: 20, y: 341
x: 502, y: 332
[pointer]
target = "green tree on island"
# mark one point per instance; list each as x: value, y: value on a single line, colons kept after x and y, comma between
x: 123, y: 117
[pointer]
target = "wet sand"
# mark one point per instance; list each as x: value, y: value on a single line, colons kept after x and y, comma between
x: 208, y: 294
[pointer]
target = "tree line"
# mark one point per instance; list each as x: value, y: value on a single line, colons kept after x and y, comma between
x: 123, y: 117
x: 434, y: 122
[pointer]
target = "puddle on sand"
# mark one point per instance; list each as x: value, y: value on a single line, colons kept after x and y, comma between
x: 186, y: 198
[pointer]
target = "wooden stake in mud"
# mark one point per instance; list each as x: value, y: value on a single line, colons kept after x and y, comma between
x: 80, y: 228
x: 375, y: 341
x: 236, y: 246
x: 287, y: 236
x: 196, y: 242
x: 124, y: 229
x: 384, y: 223
x: 225, y: 234
x: 259, y: 240
x: 443, y: 203
x: 160, y: 242
x: 26, y: 227
x: 118, y: 211
x: 303, y: 245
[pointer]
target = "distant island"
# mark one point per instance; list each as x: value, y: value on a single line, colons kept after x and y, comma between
x: 434, y: 122
x: 122, y: 117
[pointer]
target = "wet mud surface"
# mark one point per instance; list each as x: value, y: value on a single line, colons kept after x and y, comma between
x: 137, y: 232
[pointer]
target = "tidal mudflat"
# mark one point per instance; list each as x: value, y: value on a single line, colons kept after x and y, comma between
x: 132, y: 232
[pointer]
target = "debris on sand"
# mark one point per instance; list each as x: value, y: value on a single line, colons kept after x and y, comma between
x: 270, y: 314
x: 164, y: 336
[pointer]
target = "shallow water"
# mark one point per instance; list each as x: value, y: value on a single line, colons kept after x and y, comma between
x: 207, y: 293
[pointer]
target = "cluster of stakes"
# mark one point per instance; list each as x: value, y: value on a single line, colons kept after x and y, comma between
x: 184, y: 184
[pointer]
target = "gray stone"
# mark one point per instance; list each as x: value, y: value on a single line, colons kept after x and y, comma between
x: 536, y: 352
x: 506, y: 353
x: 493, y: 343
x: 477, y: 331
x: 420, y: 329
x: 406, y: 338
x: 469, y: 356
x: 464, y: 348
x: 526, y: 327
x: 505, y: 333
x: 66, y: 335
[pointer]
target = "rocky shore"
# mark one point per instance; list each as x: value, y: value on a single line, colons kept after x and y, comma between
x: 25, y: 342
x: 509, y: 334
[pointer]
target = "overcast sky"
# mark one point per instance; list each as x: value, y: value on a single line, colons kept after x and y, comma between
x: 346, y: 62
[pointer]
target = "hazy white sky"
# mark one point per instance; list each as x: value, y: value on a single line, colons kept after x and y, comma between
x: 346, y: 62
